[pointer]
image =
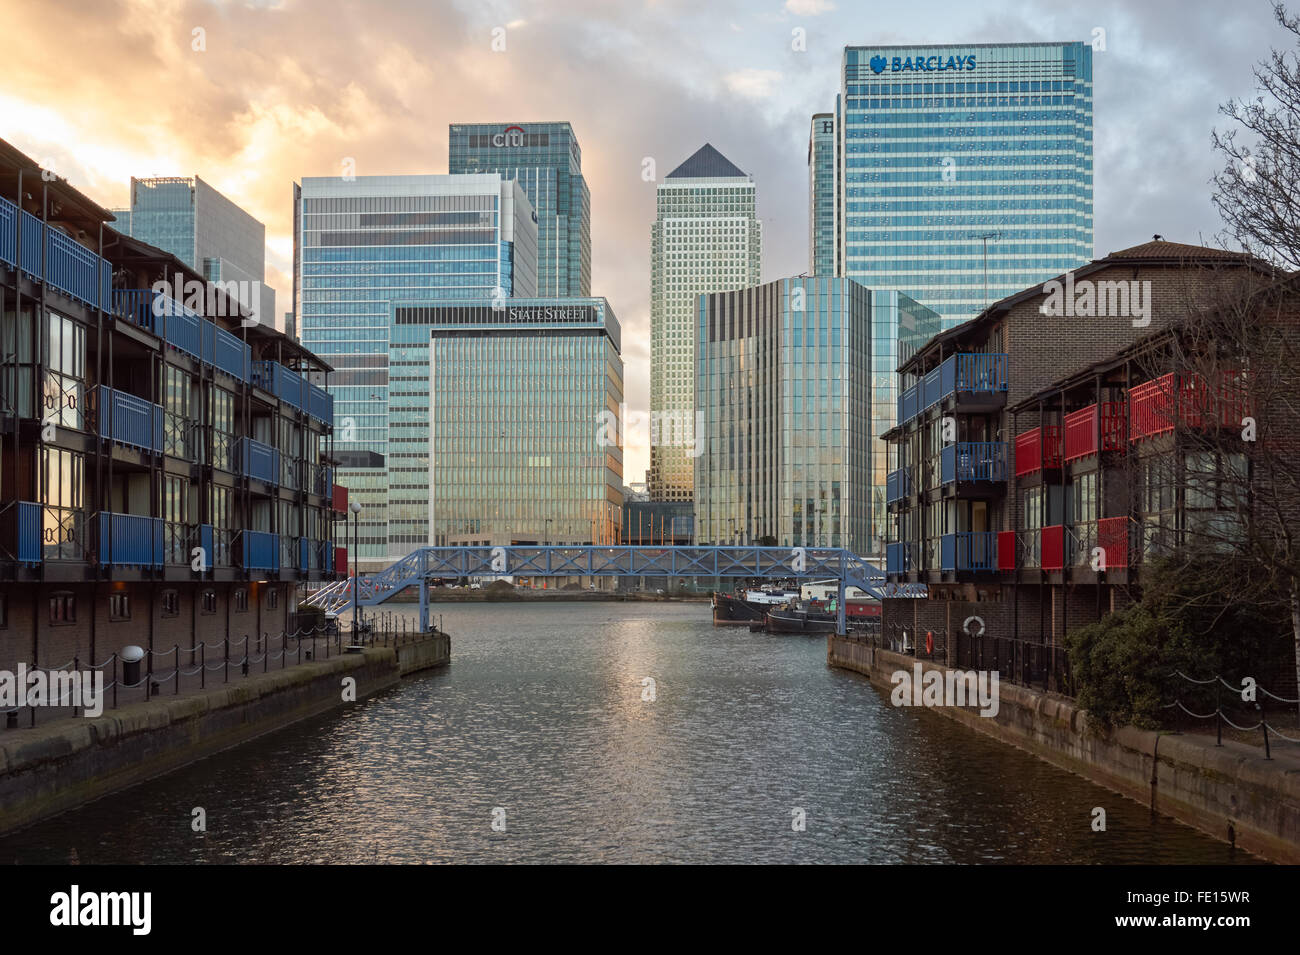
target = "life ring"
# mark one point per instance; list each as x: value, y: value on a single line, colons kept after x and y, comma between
x: 929, y: 641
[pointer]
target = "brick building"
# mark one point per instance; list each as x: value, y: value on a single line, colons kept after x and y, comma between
x: 1014, y: 488
x: 164, y: 459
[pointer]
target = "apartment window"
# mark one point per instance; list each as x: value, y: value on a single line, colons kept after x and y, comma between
x: 209, y: 602
x: 272, y: 599
x: 119, y: 606
x: 241, y: 600
x: 171, y: 603
x: 63, y: 609
x: 65, y: 377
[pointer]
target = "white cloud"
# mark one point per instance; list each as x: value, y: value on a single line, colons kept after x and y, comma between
x: 752, y: 83
x: 808, y: 8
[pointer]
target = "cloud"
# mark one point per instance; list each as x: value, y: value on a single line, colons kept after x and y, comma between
x: 808, y: 8
x: 754, y: 84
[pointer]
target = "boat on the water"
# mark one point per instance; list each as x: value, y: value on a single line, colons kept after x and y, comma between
x: 814, y: 616
x: 748, y: 606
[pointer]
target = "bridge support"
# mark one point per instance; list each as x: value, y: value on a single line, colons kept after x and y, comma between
x: 424, y: 605
x: 839, y: 612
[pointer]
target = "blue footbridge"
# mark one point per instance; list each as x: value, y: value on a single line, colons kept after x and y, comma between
x: 764, y: 563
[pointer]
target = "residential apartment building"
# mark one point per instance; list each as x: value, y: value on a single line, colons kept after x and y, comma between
x: 1035, y: 465
x: 165, y: 471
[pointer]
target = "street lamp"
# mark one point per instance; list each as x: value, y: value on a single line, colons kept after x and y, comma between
x: 548, y: 531
x: 355, y: 507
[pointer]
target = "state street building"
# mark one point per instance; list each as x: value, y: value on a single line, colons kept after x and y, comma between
x: 517, y: 396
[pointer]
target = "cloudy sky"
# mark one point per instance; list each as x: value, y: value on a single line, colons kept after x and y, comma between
x: 100, y: 90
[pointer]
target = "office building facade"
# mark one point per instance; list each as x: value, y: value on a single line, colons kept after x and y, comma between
x: 784, y: 386
x: 821, y: 195
x: 706, y: 238
x: 212, y: 235
x: 545, y: 159
x: 522, y: 425
x: 362, y: 247
x: 965, y: 172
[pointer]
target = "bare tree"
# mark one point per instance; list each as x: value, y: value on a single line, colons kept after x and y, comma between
x: 1258, y: 190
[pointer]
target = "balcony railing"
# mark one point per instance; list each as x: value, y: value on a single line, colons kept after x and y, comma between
x: 1113, y: 535
x: 1006, y: 550
x: 130, y: 540
x: 339, y: 499
x: 1053, y: 547
x: 292, y: 552
x: 898, y: 485
x: 69, y: 266
x: 341, y: 561
x: 258, y: 550
x: 900, y: 558
x: 129, y: 420
x: 1186, y: 400
x: 258, y: 460
x: 1081, y: 430
x: 320, y: 404
x: 1029, y: 548
x: 974, y: 461
x: 184, y: 329
x: 973, y: 374
x: 969, y: 550
x: 1038, y: 448
x: 23, y: 521
x: 286, y: 385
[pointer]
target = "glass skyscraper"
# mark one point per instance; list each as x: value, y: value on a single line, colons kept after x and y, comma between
x: 821, y: 195
x: 785, y: 382
x: 945, y: 152
x: 362, y: 247
x: 194, y: 222
x: 518, y: 450
x: 545, y: 159
x: 706, y: 238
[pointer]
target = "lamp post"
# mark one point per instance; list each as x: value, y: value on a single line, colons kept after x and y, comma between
x: 355, y: 507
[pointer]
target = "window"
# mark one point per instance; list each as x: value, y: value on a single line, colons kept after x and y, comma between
x: 63, y: 609
x: 119, y: 606
x: 209, y: 603
x: 272, y: 599
x: 241, y: 600
x: 171, y: 603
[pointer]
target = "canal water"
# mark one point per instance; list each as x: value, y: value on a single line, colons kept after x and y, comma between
x: 543, y: 723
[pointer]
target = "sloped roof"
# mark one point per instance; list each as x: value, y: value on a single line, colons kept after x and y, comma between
x: 707, y: 163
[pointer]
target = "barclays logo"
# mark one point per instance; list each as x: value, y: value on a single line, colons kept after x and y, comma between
x: 927, y: 64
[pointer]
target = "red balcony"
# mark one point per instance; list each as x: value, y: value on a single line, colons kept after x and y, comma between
x: 341, y: 561
x: 1038, y: 449
x: 1081, y: 430
x: 340, y: 499
x: 1112, y: 538
x: 1053, y: 547
x: 1006, y: 550
x: 1186, y: 400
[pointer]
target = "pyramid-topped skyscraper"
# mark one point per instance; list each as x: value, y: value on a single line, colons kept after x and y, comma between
x: 706, y: 238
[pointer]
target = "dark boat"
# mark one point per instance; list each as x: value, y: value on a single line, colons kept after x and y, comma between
x: 800, y: 618
x: 731, y: 609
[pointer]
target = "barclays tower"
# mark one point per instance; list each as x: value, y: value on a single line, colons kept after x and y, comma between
x: 964, y: 172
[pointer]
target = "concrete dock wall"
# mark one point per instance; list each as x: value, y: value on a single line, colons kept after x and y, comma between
x: 50, y: 769
x: 1230, y: 792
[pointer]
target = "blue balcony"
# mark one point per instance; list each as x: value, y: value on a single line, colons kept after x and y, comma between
x: 32, y: 232
x: 977, y: 377
x: 184, y: 329
x: 8, y: 233
x: 128, y: 420
x: 320, y: 404
x: 29, y: 533
x: 898, y: 558
x: 128, y: 540
x: 969, y: 550
x: 258, y: 460
x: 73, y: 269
x: 969, y: 461
x: 286, y: 385
x: 898, y: 485
x: 259, y: 550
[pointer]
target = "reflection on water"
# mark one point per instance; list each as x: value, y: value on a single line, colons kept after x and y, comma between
x: 541, y: 714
